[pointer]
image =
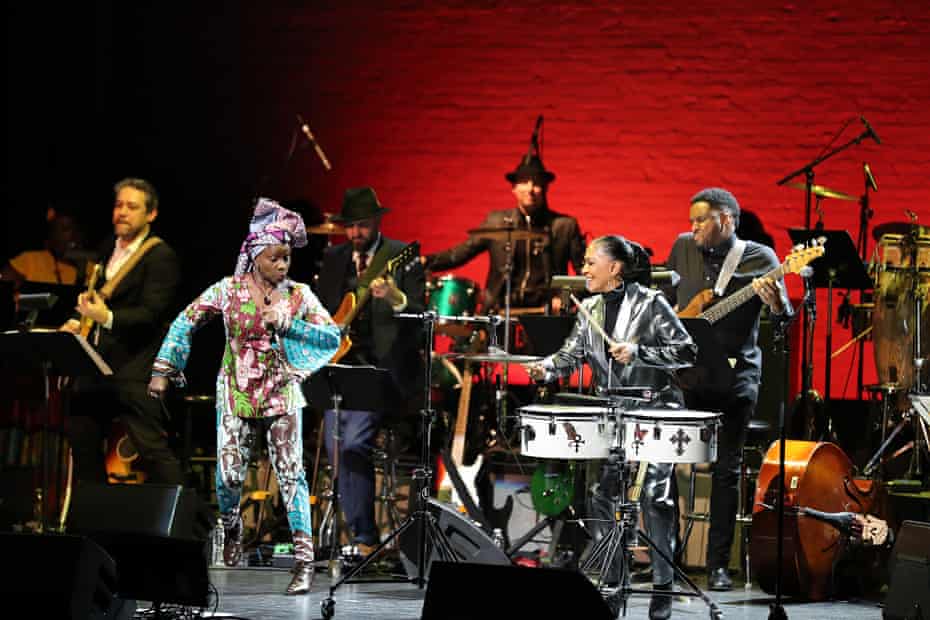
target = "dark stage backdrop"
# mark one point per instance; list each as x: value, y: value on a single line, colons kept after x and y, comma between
x: 432, y: 102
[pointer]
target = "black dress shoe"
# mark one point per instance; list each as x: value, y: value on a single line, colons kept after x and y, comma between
x: 660, y: 605
x: 719, y: 580
x: 302, y: 579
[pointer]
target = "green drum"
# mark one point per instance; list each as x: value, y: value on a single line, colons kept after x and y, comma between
x: 453, y: 296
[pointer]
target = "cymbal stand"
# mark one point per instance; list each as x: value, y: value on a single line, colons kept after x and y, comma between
x: 623, y: 537
x: 915, y: 469
x: 865, y: 214
x: 429, y: 535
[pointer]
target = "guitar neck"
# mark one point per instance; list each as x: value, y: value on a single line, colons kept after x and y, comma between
x: 461, y: 419
x: 729, y: 304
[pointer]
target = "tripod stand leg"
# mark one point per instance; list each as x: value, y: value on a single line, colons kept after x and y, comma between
x: 715, y: 611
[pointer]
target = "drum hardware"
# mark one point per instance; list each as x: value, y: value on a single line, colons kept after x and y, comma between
x: 430, y: 536
x: 841, y: 267
x: 624, y: 536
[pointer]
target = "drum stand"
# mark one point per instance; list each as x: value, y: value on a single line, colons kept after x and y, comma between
x: 623, y: 537
x: 429, y: 535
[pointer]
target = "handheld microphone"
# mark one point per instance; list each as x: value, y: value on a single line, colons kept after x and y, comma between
x: 869, y: 129
x: 305, y: 128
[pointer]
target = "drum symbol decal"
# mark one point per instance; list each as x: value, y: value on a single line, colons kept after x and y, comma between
x: 639, y: 434
x: 574, y: 439
x: 681, y: 439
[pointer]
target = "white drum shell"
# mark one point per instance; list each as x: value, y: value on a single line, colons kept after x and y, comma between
x: 567, y: 432
x: 670, y: 436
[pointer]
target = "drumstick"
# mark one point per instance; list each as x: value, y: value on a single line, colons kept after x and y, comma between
x: 593, y: 323
x: 865, y: 332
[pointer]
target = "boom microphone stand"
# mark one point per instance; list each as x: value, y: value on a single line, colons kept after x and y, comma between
x: 428, y: 531
x: 777, y: 611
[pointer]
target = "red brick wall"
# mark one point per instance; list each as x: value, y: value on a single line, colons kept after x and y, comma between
x: 431, y: 103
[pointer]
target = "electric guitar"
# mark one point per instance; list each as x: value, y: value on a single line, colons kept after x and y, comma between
x: 467, y: 472
x: 352, y: 304
x: 94, y: 270
x: 121, y: 456
x: 705, y: 305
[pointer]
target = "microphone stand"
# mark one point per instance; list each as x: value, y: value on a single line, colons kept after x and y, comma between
x: 776, y: 610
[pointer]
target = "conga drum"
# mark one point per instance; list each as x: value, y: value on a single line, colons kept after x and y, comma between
x: 895, y: 280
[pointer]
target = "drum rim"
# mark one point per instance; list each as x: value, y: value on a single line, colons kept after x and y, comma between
x: 660, y: 414
x: 591, y: 410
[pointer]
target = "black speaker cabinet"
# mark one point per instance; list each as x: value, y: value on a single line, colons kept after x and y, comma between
x: 468, y: 540
x: 156, y: 534
x: 56, y: 576
x: 508, y: 592
x: 909, y: 591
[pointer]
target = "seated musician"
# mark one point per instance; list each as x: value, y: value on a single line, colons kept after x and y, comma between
x: 650, y: 343
x: 532, y: 261
x: 378, y: 339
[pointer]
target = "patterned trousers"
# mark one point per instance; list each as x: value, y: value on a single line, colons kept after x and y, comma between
x: 235, y: 439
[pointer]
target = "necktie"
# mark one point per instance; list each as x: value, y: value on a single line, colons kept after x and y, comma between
x: 362, y: 263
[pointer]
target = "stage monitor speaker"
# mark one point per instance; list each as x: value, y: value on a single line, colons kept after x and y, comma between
x: 909, y: 590
x: 156, y: 533
x: 508, y: 592
x: 56, y: 576
x: 468, y: 540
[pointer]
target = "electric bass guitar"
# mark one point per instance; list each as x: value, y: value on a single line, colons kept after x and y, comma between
x: 352, y: 304
x: 705, y: 305
x: 94, y: 270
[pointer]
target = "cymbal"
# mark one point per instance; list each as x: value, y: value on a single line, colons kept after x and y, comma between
x: 824, y: 192
x: 893, y: 228
x: 326, y: 228
x: 504, y: 233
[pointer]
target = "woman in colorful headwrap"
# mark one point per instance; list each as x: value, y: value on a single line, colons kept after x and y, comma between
x: 277, y: 334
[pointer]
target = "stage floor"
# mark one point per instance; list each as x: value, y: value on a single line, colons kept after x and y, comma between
x: 257, y: 594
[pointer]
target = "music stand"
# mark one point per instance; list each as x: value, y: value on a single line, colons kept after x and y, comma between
x: 339, y: 384
x: 546, y: 333
x: 427, y: 526
x: 711, y: 371
x: 839, y: 267
x: 65, y: 353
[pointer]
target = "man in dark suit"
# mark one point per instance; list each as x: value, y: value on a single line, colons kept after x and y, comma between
x: 129, y: 324
x: 557, y: 243
x: 378, y: 339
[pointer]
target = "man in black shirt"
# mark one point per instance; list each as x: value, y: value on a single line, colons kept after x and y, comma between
x: 712, y: 257
x: 557, y: 244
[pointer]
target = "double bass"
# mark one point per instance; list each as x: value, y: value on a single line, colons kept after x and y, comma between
x: 832, y: 520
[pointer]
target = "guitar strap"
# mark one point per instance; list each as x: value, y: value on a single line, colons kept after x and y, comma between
x: 730, y: 263
x: 107, y: 289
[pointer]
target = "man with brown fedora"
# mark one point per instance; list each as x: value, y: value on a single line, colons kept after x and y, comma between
x: 378, y: 339
x: 531, y: 259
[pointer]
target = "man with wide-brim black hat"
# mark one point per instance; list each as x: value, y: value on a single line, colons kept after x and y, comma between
x: 378, y: 339
x: 555, y: 242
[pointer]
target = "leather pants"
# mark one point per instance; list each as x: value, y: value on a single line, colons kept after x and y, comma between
x: 659, y: 505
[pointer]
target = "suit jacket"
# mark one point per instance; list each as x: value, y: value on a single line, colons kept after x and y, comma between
x: 533, y: 261
x: 143, y: 305
x: 645, y: 319
x: 393, y: 343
